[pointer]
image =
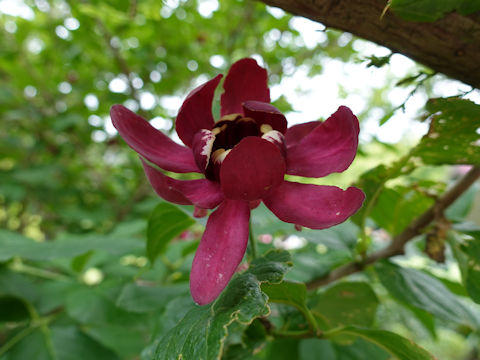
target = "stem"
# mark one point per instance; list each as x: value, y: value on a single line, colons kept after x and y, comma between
x: 251, y: 238
x: 17, y: 338
x: 399, y: 241
x: 18, y: 266
x: 42, y: 323
x: 295, y: 334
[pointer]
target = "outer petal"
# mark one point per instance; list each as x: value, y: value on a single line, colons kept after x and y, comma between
x: 220, y: 251
x: 264, y: 113
x: 151, y: 143
x: 245, y: 81
x: 252, y: 169
x: 202, y: 192
x: 314, y: 206
x: 202, y: 147
x: 330, y: 147
x: 297, y: 132
x: 196, y: 111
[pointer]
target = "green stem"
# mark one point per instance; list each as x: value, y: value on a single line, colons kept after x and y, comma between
x: 18, y: 266
x: 253, y: 245
x: 17, y: 338
x: 35, y: 323
x: 296, y: 334
x: 42, y: 323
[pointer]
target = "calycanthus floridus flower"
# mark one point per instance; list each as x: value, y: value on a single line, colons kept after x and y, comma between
x: 244, y: 157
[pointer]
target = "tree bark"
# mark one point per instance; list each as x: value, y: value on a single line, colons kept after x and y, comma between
x: 450, y: 45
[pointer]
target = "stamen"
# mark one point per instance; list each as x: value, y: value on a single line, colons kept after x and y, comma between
x: 230, y: 117
x: 265, y: 128
x: 219, y: 155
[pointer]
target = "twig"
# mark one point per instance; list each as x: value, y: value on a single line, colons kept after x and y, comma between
x: 396, y: 247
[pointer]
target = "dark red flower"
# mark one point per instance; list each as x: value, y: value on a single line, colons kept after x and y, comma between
x: 244, y: 157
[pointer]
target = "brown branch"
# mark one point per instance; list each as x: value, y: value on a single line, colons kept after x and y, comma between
x: 396, y: 247
x: 450, y: 45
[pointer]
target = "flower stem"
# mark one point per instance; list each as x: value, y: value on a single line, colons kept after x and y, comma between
x: 253, y: 245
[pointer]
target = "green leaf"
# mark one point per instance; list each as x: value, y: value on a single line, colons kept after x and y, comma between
x: 454, y: 134
x: 200, y: 335
x: 398, y: 346
x: 287, y: 292
x: 346, y: 303
x: 420, y: 290
x: 422, y: 10
x: 111, y: 326
x: 140, y: 298
x: 397, y: 207
x: 165, y: 223
x: 466, y: 250
x: 13, y: 244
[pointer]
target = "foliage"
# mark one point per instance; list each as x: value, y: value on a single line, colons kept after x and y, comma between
x: 94, y: 266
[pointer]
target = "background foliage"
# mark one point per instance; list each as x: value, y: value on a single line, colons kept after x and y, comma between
x: 93, y: 265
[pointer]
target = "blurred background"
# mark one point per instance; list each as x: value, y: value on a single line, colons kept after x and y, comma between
x: 67, y: 177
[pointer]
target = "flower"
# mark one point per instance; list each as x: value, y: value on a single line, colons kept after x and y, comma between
x: 244, y: 157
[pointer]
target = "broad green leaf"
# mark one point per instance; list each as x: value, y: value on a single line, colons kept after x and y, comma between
x: 315, y: 349
x: 282, y: 349
x: 346, y: 303
x: 287, y: 292
x: 141, y: 298
x: 397, y: 207
x: 426, y: 10
x: 454, y: 134
x: 398, y: 346
x: 71, y: 344
x: 114, y: 328
x: 418, y: 289
x: 13, y: 244
x: 467, y: 252
x: 165, y: 223
x: 200, y: 335
x: 360, y: 349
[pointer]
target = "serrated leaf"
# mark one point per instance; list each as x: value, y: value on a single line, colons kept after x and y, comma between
x: 398, y: 346
x: 346, y: 303
x: 420, y: 290
x: 201, y: 333
x: 165, y: 223
x: 454, y: 134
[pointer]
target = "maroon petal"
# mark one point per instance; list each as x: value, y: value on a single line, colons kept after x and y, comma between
x: 297, y: 132
x: 202, y: 147
x: 330, y: 147
x: 245, y: 81
x: 201, y: 192
x: 151, y: 143
x: 196, y: 111
x: 314, y: 206
x: 220, y: 251
x: 264, y: 113
x: 252, y: 169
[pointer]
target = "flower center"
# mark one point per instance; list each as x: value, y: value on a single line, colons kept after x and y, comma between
x: 228, y: 132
